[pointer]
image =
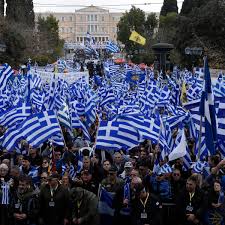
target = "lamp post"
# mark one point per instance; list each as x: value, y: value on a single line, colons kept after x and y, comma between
x: 195, y: 51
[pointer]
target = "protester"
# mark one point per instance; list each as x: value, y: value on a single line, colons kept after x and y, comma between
x: 84, y: 207
x: 123, y: 149
x: 145, y: 208
x: 54, y: 202
x: 24, y: 203
x: 192, y: 203
x: 5, y: 193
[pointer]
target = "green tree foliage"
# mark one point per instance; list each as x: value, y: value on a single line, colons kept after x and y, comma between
x: 189, y: 5
x: 169, y: 6
x: 135, y: 20
x: 203, y: 27
x: 49, y: 42
x: 1, y: 8
x: 20, y: 11
x: 14, y: 41
x: 167, y: 27
x: 132, y: 20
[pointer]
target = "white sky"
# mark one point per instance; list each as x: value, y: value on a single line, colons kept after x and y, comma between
x: 112, y: 6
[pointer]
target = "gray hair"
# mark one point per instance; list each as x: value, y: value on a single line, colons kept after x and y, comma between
x: 4, y: 166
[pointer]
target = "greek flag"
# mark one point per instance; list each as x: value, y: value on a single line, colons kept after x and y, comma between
x: 221, y: 120
x: 64, y: 116
x: 105, y: 205
x: 36, y: 129
x: 4, y: 194
x: 116, y: 135
x: 112, y: 47
x: 15, y: 115
x: 166, y: 168
x: 207, y: 110
x: 5, y: 74
x: 57, y: 140
x: 77, y: 123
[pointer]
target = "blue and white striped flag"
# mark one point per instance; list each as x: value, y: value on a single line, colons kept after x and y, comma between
x: 105, y: 205
x: 36, y: 129
x: 5, y: 74
x: 112, y: 47
x: 15, y: 115
x: 207, y: 110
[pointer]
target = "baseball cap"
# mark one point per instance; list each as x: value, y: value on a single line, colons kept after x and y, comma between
x: 128, y: 165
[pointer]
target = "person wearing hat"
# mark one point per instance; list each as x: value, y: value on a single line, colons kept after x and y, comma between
x: 127, y: 171
x: 84, y: 207
x: 87, y: 182
x: 31, y: 171
x: 145, y: 207
x: 112, y: 183
x: 54, y: 202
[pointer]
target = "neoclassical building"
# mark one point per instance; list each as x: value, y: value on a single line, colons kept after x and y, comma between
x: 99, y: 22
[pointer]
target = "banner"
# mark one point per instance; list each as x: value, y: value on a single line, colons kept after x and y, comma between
x: 68, y: 77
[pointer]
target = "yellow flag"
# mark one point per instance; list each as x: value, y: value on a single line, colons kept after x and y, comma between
x: 136, y: 37
x: 183, y: 96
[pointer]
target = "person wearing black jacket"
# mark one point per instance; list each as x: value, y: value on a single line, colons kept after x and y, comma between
x: 24, y: 205
x: 54, y: 203
x: 145, y: 208
x: 191, y: 204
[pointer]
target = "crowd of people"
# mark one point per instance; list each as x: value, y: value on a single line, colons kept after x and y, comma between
x: 78, y: 182
x: 41, y: 188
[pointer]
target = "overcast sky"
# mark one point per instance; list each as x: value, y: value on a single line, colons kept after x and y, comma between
x: 115, y: 5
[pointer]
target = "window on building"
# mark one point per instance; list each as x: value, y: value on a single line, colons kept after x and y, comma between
x: 92, y: 17
x: 81, y: 18
x: 96, y: 28
x: 96, y: 18
x: 113, y: 18
x: 71, y: 30
x: 103, y: 38
x: 63, y: 18
x: 71, y: 18
x: 103, y: 18
x: 106, y: 38
x: 78, y: 39
x: 88, y: 17
x: 81, y: 39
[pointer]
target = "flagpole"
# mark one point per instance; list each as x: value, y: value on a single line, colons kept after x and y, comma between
x: 199, y: 138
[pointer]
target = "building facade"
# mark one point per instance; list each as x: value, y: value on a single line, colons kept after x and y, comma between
x: 99, y: 22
